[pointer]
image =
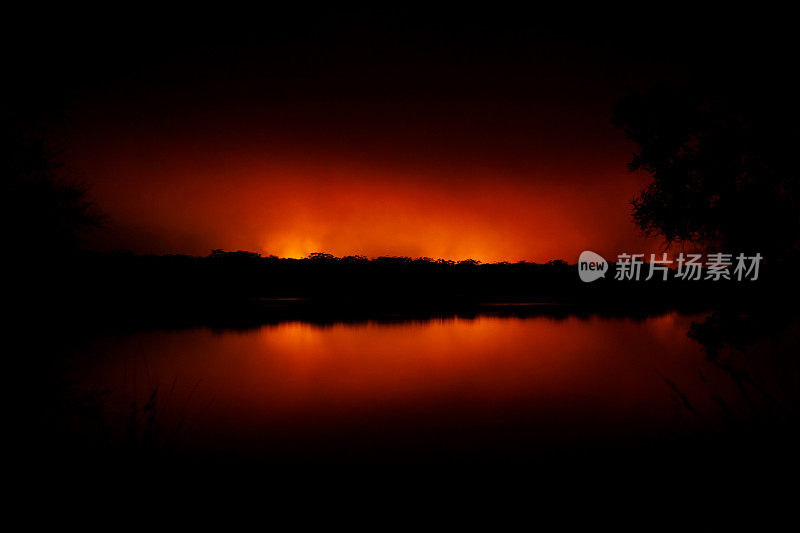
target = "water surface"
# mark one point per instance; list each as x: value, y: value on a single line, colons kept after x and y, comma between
x: 480, y: 386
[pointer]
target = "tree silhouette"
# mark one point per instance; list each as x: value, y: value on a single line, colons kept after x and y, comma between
x: 47, y: 215
x: 721, y: 168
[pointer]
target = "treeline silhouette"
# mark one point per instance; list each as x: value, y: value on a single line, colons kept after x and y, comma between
x: 234, y: 289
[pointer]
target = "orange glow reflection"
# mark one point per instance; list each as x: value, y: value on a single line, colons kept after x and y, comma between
x: 566, y: 377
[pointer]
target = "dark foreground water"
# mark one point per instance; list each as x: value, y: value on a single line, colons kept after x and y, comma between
x: 485, y: 388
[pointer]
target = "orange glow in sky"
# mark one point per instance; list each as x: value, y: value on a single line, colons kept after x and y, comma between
x: 192, y: 203
x: 439, y: 143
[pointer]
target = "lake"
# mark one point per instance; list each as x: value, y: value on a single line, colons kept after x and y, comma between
x: 481, y: 387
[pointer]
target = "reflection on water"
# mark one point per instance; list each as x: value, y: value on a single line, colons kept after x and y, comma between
x: 445, y: 386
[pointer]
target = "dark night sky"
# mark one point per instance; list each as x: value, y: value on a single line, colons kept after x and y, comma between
x: 443, y: 134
